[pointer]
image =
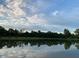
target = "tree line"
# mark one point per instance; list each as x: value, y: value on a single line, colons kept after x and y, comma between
x: 15, y: 33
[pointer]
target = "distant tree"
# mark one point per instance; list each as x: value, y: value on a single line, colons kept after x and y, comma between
x: 3, y: 32
x: 49, y: 34
x: 67, y: 33
x: 77, y: 32
x: 26, y: 34
x: 16, y: 32
x: 33, y: 34
x: 39, y: 31
x: 11, y: 32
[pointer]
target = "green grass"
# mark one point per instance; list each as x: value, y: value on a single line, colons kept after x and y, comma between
x: 35, y: 38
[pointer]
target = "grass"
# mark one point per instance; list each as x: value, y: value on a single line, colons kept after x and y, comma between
x: 35, y: 38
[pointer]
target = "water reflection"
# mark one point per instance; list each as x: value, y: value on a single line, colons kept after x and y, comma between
x: 20, y: 43
x: 77, y: 44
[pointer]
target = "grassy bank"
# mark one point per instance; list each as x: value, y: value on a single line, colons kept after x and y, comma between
x: 35, y: 38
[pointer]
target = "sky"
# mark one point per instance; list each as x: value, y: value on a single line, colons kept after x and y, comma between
x: 44, y: 15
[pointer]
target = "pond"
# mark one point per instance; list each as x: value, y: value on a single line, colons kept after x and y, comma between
x: 39, y: 49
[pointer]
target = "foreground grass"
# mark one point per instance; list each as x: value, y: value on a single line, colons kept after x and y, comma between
x: 35, y: 38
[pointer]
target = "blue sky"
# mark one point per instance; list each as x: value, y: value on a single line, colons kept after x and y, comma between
x: 44, y: 15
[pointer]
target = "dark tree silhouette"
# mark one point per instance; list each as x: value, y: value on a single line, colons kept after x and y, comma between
x: 67, y: 33
x: 3, y: 32
x: 77, y: 33
x: 15, y: 33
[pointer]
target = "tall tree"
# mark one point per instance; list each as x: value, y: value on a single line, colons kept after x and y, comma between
x: 67, y: 33
x: 77, y: 32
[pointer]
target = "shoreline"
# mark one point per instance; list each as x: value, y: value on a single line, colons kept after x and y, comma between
x: 37, y: 38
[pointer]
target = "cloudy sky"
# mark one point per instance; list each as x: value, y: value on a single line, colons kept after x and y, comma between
x: 44, y: 15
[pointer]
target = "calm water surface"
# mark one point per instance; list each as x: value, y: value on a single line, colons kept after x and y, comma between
x: 40, y: 49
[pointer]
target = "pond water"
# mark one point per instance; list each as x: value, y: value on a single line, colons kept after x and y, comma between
x: 39, y: 49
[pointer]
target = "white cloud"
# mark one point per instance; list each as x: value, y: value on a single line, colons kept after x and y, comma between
x: 14, y: 6
x: 2, y: 11
x: 17, y: 19
x: 55, y: 13
x: 36, y: 19
x: 15, y: 14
